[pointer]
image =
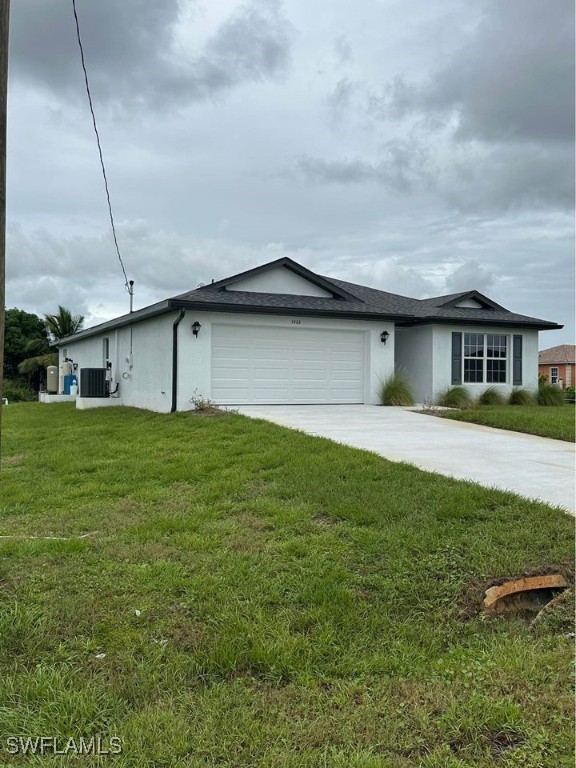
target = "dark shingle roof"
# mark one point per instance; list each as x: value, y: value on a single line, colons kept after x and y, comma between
x: 349, y: 300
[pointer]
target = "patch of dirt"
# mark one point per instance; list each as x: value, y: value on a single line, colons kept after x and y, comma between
x: 209, y: 410
x: 185, y: 637
x: 325, y: 520
x: 253, y: 522
x: 503, y: 740
x: 11, y: 461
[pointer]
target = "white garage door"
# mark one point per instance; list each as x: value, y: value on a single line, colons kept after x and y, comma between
x: 266, y: 365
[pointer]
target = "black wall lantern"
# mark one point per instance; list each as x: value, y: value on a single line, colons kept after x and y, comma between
x: 384, y: 337
x: 196, y: 328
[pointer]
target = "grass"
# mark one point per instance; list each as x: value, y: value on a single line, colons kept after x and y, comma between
x: 301, y: 604
x: 396, y: 390
x: 557, y: 423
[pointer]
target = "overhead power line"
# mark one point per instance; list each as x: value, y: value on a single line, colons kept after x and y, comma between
x: 126, y: 284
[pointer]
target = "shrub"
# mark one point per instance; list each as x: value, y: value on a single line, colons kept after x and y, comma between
x: 491, y: 396
x: 396, y: 390
x: 570, y: 394
x: 18, y: 391
x: 455, y: 397
x: 548, y: 394
x: 521, y: 397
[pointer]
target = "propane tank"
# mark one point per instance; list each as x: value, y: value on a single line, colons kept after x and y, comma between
x: 52, y: 379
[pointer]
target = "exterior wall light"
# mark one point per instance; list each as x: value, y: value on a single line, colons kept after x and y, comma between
x: 196, y: 328
x: 384, y: 337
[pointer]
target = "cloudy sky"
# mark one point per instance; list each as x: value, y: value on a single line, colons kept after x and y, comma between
x: 422, y: 148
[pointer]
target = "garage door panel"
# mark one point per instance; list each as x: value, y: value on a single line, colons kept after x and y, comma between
x: 270, y: 365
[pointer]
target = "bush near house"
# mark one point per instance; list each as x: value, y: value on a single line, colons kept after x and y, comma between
x: 521, y: 397
x: 18, y: 391
x: 491, y: 396
x: 455, y: 397
x: 253, y: 596
x: 550, y: 395
x: 570, y: 394
x: 396, y: 390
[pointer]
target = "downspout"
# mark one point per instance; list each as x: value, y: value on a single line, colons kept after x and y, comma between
x: 175, y: 358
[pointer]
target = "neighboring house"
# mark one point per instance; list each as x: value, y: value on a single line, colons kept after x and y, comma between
x: 280, y: 333
x: 557, y: 363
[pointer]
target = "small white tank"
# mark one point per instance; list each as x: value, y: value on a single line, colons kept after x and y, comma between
x: 52, y: 379
x: 66, y: 368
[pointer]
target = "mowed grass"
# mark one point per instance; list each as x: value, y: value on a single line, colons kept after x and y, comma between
x: 302, y: 604
x: 545, y: 421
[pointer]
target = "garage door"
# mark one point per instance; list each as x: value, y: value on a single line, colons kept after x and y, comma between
x: 286, y: 365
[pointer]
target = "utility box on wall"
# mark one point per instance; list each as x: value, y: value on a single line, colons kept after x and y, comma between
x: 93, y: 382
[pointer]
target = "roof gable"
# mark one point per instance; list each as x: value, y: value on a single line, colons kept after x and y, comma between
x: 276, y: 276
x: 470, y: 300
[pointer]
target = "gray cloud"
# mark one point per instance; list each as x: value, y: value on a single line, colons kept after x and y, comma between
x: 470, y: 276
x: 342, y: 50
x: 402, y: 166
x: 500, y: 113
x: 515, y: 79
x: 135, y: 56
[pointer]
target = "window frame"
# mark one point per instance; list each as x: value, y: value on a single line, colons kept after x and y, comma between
x: 488, y: 370
x: 554, y: 379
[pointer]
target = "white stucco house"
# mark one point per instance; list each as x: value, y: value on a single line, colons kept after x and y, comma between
x: 281, y: 334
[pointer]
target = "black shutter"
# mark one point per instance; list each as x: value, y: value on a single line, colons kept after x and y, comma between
x: 457, y: 358
x: 517, y: 361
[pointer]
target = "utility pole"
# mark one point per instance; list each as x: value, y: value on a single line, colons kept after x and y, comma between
x: 4, y: 28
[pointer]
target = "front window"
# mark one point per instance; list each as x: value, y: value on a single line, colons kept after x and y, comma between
x: 485, y: 358
x: 554, y: 375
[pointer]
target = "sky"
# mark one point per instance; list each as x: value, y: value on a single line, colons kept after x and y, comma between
x: 421, y: 148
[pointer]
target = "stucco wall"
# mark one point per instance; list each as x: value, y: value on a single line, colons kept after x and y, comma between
x: 145, y: 377
x: 442, y: 371
x: 414, y: 355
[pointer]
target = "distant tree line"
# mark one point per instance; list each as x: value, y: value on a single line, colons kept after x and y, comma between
x: 27, y: 350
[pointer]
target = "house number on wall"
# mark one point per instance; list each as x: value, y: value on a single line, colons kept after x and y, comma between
x: 296, y: 322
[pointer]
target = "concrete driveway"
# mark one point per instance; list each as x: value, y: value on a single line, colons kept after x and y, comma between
x: 534, y: 467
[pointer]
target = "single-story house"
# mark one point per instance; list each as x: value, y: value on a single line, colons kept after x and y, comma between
x: 281, y: 334
x: 557, y: 364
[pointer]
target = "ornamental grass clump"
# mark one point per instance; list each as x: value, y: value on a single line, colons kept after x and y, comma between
x: 521, y: 397
x: 455, y: 397
x: 548, y: 394
x: 491, y: 396
x: 396, y: 390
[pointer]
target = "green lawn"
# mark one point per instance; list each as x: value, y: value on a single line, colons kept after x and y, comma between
x: 546, y: 421
x: 302, y: 604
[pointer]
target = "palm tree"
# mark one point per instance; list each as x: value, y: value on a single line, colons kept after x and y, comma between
x: 59, y: 325
x: 63, y: 323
